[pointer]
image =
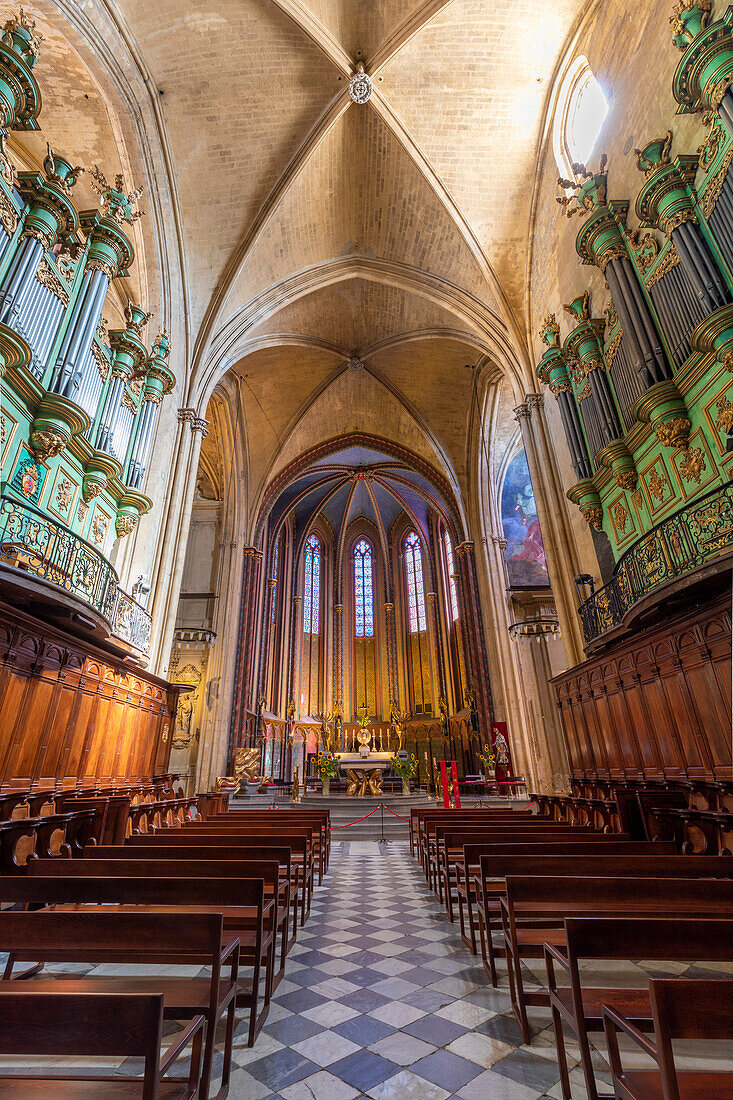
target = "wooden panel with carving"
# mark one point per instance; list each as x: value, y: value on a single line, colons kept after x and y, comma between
x: 69, y: 709
x: 659, y: 700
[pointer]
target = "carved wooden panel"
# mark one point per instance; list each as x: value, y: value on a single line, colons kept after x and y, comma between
x: 659, y: 700
x: 69, y: 709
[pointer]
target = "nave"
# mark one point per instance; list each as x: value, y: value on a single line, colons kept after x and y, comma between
x: 345, y: 970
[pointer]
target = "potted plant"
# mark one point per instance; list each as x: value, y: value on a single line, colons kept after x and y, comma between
x: 405, y: 769
x: 327, y: 768
x: 488, y: 762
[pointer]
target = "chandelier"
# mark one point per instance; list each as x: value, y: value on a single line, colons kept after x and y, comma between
x: 360, y: 86
x: 539, y: 628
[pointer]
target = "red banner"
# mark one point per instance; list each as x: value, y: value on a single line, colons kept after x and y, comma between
x: 444, y: 785
x: 456, y: 792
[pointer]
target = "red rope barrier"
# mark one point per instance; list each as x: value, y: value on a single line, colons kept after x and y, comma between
x: 350, y: 823
x: 396, y: 815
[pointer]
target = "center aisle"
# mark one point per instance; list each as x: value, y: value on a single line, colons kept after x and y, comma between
x: 381, y: 999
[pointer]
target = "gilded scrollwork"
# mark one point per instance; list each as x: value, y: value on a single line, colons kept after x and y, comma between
x: 692, y: 465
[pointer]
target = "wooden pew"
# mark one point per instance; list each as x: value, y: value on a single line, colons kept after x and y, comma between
x: 482, y: 863
x: 320, y: 820
x: 277, y: 889
x: 533, y: 910
x: 94, y: 1025
x: 682, y: 1008
x: 448, y: 853
x: 588, y: 939
x: 501, y: 829
x: 298, y: 840
x: 169, y: 935
x: 290, y: 857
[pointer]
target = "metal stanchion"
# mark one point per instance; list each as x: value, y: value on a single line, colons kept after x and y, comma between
x: 382, y: 839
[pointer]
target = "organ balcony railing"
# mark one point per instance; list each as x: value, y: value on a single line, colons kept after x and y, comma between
x: 689, y: 538
x: 30, y: 541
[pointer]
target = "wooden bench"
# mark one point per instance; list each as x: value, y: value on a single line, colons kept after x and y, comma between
x: 450, y: 845
x: 232, y: 847
x: 587, y: 939
x: 483, y: 864
x: 277, y: 887
x: 682, y: 1008
x: 95, y: 1025
x: 268, y: 829
x: 533, y: 910
x: 168, y: 936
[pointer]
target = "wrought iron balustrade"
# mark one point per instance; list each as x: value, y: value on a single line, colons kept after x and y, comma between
x: 689, y: 538
x: 34, y: 543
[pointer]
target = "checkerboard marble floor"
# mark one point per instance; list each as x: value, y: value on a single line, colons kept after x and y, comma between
x: 381, y: 1000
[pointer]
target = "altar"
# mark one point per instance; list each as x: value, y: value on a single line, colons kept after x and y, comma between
x: 364, y: 771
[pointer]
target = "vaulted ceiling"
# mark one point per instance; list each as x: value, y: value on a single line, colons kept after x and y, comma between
x: 311, y: 229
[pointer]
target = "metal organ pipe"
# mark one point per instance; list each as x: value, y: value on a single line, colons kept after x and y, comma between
x: 22, y: 269
x: 79, y: 334
x: 141, y: 447
x: 693, y: 253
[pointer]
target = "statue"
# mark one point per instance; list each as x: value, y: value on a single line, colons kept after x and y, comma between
x: 398, y: 718
x: 182, y: 735
x: 443, y: 709
x: 296, y: 785
x: 246, y: 766
x: 501, y: 748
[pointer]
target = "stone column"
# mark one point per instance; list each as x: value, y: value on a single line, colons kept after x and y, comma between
x: 293, y: 651
x: 338, y: 654
x: 266, y: 639
x: 557, y: 534
x: 251, y: 558
x: 393, y: 688
x: 168, y: 567
x: 476, y: 652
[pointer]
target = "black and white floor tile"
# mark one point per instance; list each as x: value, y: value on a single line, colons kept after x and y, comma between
x: 382, y: 1000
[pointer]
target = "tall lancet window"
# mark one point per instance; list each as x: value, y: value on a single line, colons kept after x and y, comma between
x: 415, y: 587
x: 418, y: 654
x: 363, y: 596
x: 312, y: 587
x: 451, y: 576
x: 273, y: 602
x: 457, y: 662
x: 310, y: 663
x: 364, y: 677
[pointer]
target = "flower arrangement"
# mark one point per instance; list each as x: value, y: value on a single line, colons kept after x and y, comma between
x: 488, y: 759
x: 326, y: 765
x: 405, y: 768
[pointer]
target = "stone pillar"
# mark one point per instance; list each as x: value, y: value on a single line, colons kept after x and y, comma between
x: 552, y: 511
x: 168, y: 568
x: 252, y: 558
x: 338, y: 654
x: 476, y: 643
x: 293, y: 651
x: 391, y: 629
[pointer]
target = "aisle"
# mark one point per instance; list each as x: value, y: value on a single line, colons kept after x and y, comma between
x: 380, y: 999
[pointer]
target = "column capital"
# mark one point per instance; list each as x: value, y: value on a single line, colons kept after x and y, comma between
x: 534, y: 400
x: 251, y: 552
x: 464, y: 547
x: 185, y: 416
x: 522, y: 412
x: 338, y: 608
x: 200, y: 424
x: 297, y: 599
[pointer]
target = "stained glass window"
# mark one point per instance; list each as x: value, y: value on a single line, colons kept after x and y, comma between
x: 451, y: 576
x: 312, y: 587
x: 363, y: 594
x: 273, y: 608
x: 415, y: 588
